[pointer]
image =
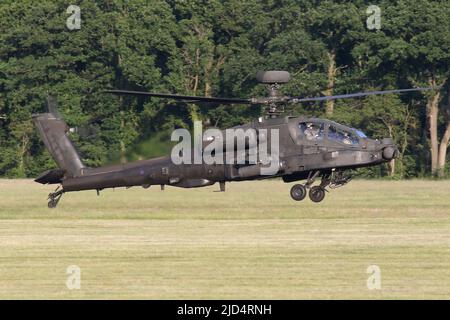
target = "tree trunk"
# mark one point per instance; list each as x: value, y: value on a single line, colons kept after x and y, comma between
x: 331, y: 78
x: 432, y: 115
x: 193, y: 108
x: 208, y: 76
x: 23, y: 151
x: 391, y: 167
x: 122, y: 143
x: 404, y: 142
x: 391, y: 164
x: 443, y: 152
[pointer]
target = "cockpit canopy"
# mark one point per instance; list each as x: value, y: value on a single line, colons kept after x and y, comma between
x: 316, y: 130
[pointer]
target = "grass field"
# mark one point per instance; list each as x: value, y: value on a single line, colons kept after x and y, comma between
x: 252, y: 241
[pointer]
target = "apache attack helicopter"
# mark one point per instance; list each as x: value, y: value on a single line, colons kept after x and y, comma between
x: 309, y: 148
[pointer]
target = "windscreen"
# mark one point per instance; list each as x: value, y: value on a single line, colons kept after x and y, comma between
x: 342, y: 136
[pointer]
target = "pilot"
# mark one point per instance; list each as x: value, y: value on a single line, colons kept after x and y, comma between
x: 311, y: 133
x: 346, y: 139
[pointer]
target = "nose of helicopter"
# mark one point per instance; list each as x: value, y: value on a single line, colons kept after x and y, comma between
x: 390, y: 150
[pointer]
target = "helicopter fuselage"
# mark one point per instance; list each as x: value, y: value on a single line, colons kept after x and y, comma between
x: 334, y: 148
x: 302, y: 148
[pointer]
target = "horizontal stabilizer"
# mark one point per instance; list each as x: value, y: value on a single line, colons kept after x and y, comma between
x: 50, y: 176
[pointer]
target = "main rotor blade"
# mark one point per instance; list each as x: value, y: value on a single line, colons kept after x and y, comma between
x: 359, y: 94
x: 181, y: 97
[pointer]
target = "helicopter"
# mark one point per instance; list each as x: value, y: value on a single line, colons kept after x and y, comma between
x: 308, y: 149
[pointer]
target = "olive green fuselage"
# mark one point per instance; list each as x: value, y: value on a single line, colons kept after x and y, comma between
x: 298, y: 157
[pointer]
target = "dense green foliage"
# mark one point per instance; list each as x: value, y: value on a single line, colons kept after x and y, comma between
x: 215, y: 48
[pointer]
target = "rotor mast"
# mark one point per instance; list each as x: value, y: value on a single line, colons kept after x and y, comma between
x: 273, y: 80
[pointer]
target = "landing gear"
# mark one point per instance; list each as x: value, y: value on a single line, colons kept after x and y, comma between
x: 332, y: 179
x: 298, y: 192
x: 54, y: 197
x: 311, y: 179
x: 317, y: 193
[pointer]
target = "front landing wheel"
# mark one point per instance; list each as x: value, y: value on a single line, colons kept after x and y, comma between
x: 298, y: 192
x: 317, y: 193
x: 52, y: 203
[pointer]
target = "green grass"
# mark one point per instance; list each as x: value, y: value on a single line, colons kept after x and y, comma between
x: 252, y: 241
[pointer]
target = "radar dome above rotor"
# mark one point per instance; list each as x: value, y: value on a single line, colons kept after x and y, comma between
x: 273, y: 77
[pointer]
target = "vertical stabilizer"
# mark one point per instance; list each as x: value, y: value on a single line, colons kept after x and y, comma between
x: 53, y: 131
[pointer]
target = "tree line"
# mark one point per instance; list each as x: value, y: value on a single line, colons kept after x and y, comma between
x: 215, y: 48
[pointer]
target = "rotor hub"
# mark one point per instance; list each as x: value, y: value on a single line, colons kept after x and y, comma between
x: 273, y: 80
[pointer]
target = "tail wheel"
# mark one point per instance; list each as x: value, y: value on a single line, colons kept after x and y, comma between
x: 317, y: 193
x: 54, y: 197
x: 298, y: 192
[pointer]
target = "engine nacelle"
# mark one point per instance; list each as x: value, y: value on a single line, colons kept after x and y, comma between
x: 242, y: 139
